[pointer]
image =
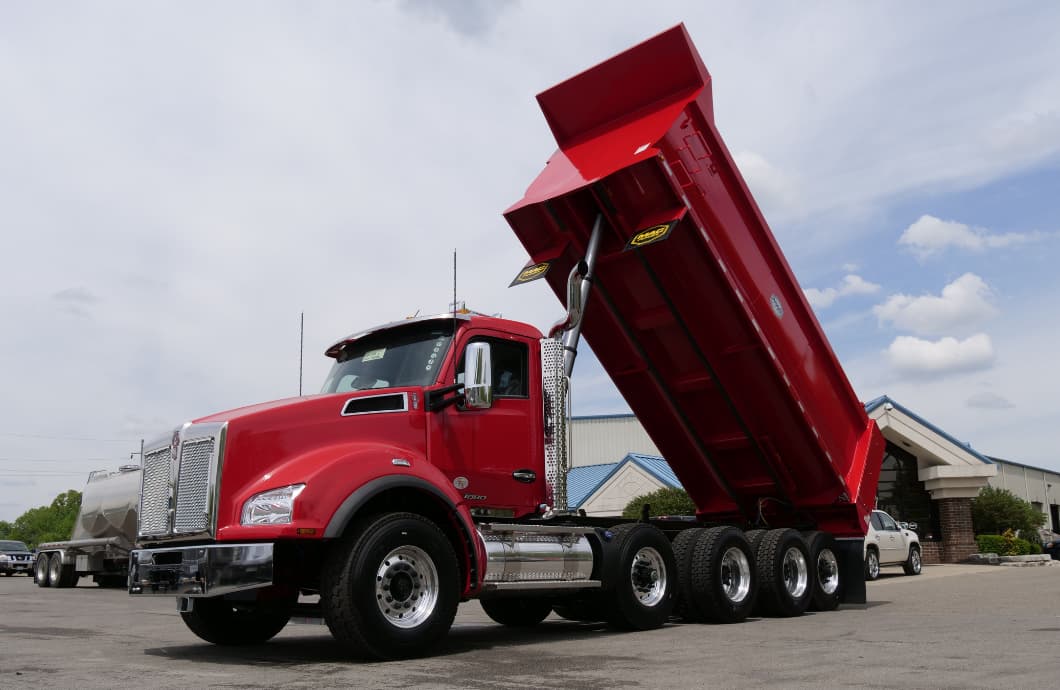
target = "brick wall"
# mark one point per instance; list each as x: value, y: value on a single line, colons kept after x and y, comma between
x: 958, y: 539
x: 931, y: 552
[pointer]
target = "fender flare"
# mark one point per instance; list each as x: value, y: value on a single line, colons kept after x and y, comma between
x: 349, y: 507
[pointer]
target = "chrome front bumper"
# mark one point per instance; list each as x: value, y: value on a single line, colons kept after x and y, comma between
x: 200, y: 571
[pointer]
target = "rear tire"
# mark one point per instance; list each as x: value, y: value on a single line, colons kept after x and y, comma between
x: 583, y: 610
x: 232, y: 623
x: 520, y: 612
x: 723, y: 580
x: 684, y: 546
x: 640, y: 577
x: 872, y: 565
x: 913, y: 564
x: 784, y: 583
x: 390, y: 588
x: 40, y: 571
x: 60, y: 575
x: 824, y: 569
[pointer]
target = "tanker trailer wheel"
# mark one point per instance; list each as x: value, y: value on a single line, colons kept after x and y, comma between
x: 723, y: 575
x: 517, y: 612
x: 390, y: 588
x: 785, y: 586
x: 824, y: 569
x: 40, y: 571
x: 640, y: 575
x: 60, y: 575
x: 231, y: 622
x: 684, y: 545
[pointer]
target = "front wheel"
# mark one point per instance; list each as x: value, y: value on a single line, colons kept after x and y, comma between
x: 231, y: 623
x: 912, y: 564
x: 872, y: 565
x: 641, y: 576
x: 517, y: 612
x: 390, y: 588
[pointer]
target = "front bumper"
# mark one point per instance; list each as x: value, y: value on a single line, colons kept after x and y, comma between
x: 200, y: 571
x: 16, y: 566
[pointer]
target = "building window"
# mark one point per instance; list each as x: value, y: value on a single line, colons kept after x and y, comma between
x: 901, y: 494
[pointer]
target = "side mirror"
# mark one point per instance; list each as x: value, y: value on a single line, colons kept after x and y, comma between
x: 478, y: 377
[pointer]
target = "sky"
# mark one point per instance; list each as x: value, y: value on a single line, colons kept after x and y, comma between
x: 179, y: 182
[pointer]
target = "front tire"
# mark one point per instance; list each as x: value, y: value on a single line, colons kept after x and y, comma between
x: 640, y: 576
x: 233, y: 623
x: 872, y: 565
x: 784, y: 582
x: 390, y: 588
x: 521, y: 612
x: 913, y: 564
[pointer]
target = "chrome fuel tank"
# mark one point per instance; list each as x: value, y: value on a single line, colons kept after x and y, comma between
x: 536, y: 553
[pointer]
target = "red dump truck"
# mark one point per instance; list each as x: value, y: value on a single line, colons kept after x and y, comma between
x: 432, y: 468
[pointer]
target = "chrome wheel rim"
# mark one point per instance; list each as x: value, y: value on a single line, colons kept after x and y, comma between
x: 406, y: 587
x: 828, y: 571
x: 54, y: 569
x: 874, y: 564
x: 42, y: 569
x: 735, y: 574
x: 794, y: 571
x: 647, y: 574
x: 915, y: 558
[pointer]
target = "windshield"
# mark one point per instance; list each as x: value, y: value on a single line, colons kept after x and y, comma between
x: 12, y: 546
x: 402, y: 356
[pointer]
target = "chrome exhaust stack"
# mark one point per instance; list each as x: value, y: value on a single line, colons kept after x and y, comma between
x: 558, y: 352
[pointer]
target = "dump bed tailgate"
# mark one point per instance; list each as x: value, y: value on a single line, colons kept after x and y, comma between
x: 695, y: 313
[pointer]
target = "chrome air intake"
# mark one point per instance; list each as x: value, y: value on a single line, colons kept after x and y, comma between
x: 556, y: 387
x: 181, y: 477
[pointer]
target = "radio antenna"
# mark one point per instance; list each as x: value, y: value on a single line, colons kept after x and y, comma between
x: 301, y: 348
x: 454, y: 290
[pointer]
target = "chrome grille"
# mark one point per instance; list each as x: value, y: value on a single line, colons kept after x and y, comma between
x: 193, y: 481
x: 154, y: 494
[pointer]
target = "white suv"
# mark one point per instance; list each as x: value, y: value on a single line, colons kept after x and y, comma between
x: 889, y: 543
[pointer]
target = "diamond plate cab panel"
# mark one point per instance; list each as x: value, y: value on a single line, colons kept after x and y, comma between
x: 154, y: 494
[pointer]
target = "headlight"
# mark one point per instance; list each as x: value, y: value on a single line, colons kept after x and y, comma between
x: 4, y: 558
x: 273, y: 507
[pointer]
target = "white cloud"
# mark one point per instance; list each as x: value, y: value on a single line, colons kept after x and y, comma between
x: 773, y: 189
x: 851, y: 268
x: 914, y: 356
x: 851, y: 285
x: 963, y: 303
x: 989, y: 400
x: 930, y: 235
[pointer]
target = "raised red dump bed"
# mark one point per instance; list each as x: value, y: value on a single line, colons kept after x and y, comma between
x: 695, y: 313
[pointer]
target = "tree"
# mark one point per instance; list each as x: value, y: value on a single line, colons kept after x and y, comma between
x: 997, y: 510
x: 665, y: 501
x: 48, y: 523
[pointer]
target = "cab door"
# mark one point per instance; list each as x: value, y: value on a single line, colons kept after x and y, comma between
x: 494, y: 456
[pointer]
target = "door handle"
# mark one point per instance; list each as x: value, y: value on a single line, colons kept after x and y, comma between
x: 524, y: 476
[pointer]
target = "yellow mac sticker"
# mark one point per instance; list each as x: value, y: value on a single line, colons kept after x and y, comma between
x: 656, y: 233
x: 531, y: 273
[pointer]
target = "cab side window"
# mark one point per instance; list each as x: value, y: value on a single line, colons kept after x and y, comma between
x: 510, y: 370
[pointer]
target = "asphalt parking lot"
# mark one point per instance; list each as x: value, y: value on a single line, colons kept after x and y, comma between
x: 953, y: 626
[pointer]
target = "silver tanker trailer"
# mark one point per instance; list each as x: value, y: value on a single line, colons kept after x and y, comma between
x: 103, y: 534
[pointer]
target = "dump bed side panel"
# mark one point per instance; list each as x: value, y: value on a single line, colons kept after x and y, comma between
x: 695, y: 313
